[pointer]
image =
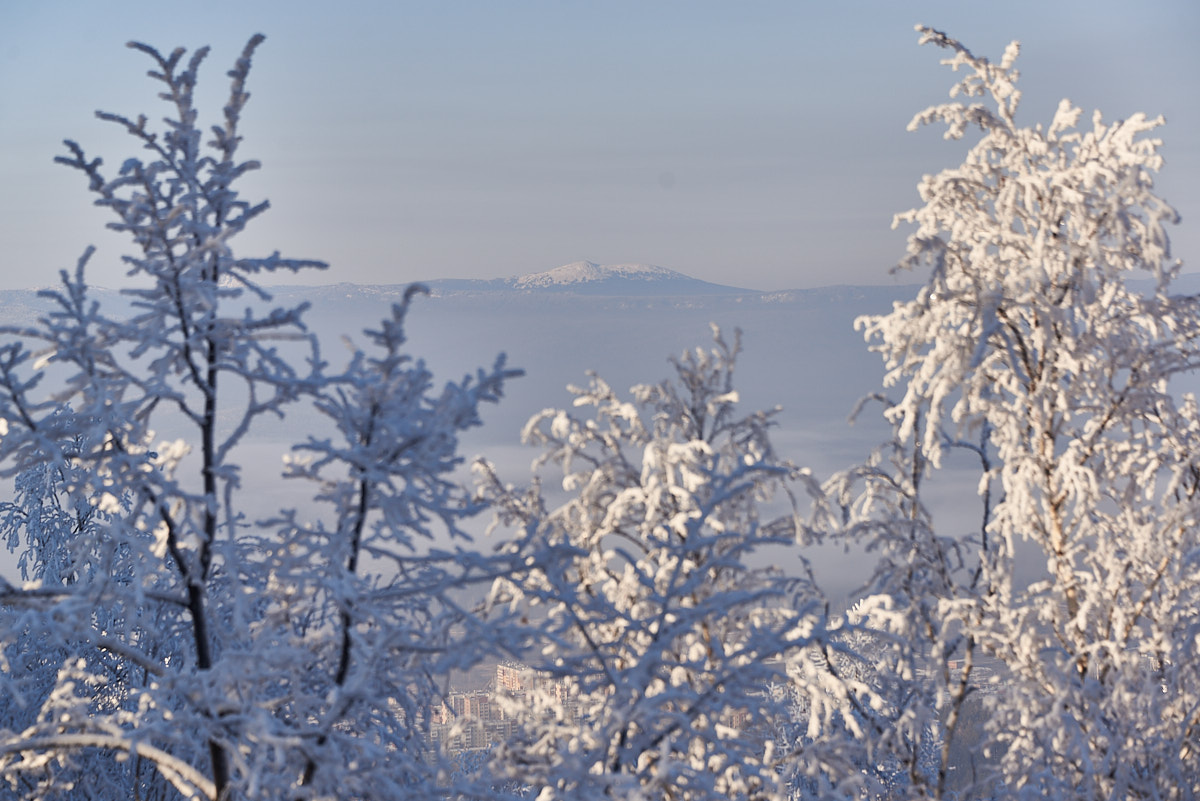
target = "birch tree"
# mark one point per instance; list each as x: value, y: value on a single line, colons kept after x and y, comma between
x: 1047, y: 344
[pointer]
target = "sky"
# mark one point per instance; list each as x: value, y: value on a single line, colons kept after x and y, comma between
x: 755, y: 144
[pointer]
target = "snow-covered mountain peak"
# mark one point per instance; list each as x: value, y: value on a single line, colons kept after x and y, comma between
x: 584, y: 272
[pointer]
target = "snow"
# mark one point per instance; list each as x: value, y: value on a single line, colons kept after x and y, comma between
x: 582, y: 272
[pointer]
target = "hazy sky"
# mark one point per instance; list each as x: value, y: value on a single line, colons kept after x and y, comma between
x: 759, y: 144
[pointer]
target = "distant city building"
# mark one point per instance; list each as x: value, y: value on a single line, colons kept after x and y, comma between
x: 470, y: 720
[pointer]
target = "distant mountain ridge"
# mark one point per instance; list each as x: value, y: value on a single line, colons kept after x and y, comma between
x: 589, y: 278
x: 586, y: 272
x: 628, y: 286
x: 585, y: 277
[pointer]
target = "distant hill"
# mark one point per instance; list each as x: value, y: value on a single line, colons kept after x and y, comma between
x: 586, y: 278
x: 606, y: 286
x: 589, y: 278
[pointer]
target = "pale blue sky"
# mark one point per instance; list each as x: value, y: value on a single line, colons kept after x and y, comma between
x: 759, y: 144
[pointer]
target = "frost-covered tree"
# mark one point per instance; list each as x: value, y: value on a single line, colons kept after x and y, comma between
x: 1047, y: 344
x: 167, y: 642
x: 671, y: 654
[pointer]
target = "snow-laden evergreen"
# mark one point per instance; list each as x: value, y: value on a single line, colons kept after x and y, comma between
x: 165, y: 643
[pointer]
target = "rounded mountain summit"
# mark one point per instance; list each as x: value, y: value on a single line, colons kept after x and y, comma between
x: 588, y: 278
